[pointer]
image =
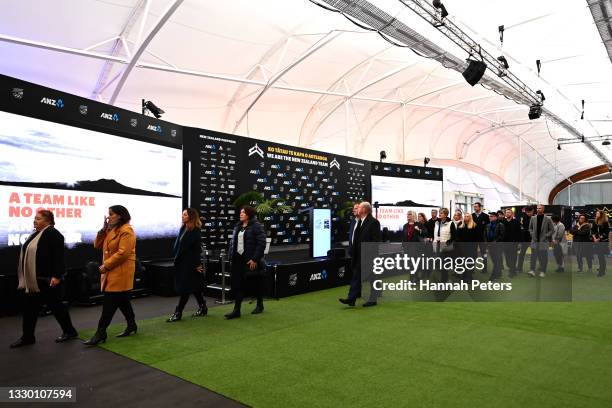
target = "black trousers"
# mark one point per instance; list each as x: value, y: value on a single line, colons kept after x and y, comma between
x: 243, y: 285
x: 185, y: 297
x: 32, y: 302
x: 510, y: 254
x: 355, y: 288
x: 541, y: 256
x: 521, y: 256
x: 584, y: 250
x: 495, y: 254
x: 112, y: 301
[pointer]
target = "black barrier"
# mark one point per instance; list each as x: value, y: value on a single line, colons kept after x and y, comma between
x: 295, y: 278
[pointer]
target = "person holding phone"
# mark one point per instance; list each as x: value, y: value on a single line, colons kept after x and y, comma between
x: 40, y: 271
x: 118, y: 243
x: 188, y: 265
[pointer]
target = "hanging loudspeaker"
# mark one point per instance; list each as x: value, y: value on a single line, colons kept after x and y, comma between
x: 474, y: 71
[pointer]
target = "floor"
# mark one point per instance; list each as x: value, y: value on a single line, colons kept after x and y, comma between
x: 101, y: 377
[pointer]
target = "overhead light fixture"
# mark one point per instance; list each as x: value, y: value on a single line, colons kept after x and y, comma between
x: 606, y: 143
x: 558, y: 147
x: 535, y: 111
x: 541, y: 95
x: 504, y: 61
x: 443, y: 12
x: 383, y: 155
x: 426, y: 161
x: 539, y: 66
x: 501, y: 29
x: 474, y: 72
x: 148, y: 106
x: 582, y: 116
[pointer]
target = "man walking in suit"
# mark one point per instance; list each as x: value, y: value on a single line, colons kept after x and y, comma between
x: 482, y: 220
x: 366, y: 230
x: 352, y: 226
x: 541, y: 230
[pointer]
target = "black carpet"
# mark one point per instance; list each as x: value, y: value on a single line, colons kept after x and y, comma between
x: 101, y: 378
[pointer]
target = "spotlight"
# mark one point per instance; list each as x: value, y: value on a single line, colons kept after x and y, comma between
x: 504, y: 61
x: 606, y: 143
x: 539, y: 66
x: 148, y: 106
x: 582, y: 116
x: 426, y: 161
x: 438, y: 4
x: 535, y: 111
x: 501, y: 29
x: 474, y: 72
x: 541, y: 95
x: 383, y: 155
x: 558, y: 147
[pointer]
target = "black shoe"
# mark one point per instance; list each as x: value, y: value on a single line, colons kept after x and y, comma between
x: 347, y: 301
x: 233, y: 315
x: 369, y: 303
x: 99, y: 337
x: 67, y: 336
x: 21, y: 342
x: 175, y: 317
x: 202, y: 311
x: 258, y: 309
x: 600, y: 274
x: 131, y: 328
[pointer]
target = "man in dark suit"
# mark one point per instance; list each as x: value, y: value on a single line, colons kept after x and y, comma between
x: 512, y: 236
x: 367, y: 230
x: 352, y: 226
x: 482, y: 220
x: 525, y: 236
x: 431, y: 224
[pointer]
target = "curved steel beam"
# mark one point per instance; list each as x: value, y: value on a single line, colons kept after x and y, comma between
x: 143, y: 46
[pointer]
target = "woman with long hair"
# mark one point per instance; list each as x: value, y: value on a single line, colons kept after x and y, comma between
x: 467, y: 238
x: 601, y: 237
x: 118, y: 243
x: 188, y: 264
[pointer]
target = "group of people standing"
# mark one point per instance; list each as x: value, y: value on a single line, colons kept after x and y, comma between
x: 41, y: 270
x: 503, y: 235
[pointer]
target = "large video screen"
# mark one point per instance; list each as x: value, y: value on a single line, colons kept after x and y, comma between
x: 77, y: 174
x: 397, y: 196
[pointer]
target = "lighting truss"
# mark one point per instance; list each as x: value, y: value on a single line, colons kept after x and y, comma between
x: 602, y: 15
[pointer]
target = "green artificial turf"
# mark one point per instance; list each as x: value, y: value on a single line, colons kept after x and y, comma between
x: 311, y: 351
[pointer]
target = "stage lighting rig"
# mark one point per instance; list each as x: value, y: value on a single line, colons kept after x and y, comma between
x: 439, y: 6
x: 148, y: 106
x: 383, y: 155
x: 535, y: 111
x: 426, y: 161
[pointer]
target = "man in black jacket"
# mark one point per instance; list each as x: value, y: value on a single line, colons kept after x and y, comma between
x: 482, y: 220
x: 352, y: 226
x: 494, y: 236
x: 525, y: 236
x: 431, y: 224
x: 367, y: 230
x: 512, y: 236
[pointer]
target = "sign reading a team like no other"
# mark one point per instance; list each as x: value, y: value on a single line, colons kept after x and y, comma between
x: 225, y: 166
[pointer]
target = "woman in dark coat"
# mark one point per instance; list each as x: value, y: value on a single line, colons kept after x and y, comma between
x: 581, y: 244
x: 246, y: 251
x: 601, y: 238
x: 188, y: 268
x: 41, y: 269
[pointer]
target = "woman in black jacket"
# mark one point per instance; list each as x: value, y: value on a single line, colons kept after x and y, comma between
x: 601, y: 238
x: 41, y: 269
x: 581, y: 242
x: 246, y: 251
x: 188, y: 265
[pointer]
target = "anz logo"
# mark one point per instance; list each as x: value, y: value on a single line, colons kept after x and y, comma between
x: 114, y: 117
x: 262, y: 180
x: 155, y: 128
x: 268, y: 188
x: 318, y: 276
x: 254, y: 172
x: 58, y: 103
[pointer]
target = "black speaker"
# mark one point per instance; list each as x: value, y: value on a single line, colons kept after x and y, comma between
x: 336, y: 253
x: 474, y: 71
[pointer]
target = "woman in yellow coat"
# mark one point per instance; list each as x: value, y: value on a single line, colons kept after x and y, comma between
x: 118, y: 243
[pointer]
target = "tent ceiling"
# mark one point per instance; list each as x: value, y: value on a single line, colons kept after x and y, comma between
x: 293, y: 72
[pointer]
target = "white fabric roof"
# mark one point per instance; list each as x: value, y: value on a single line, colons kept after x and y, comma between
x: 292, y: 72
